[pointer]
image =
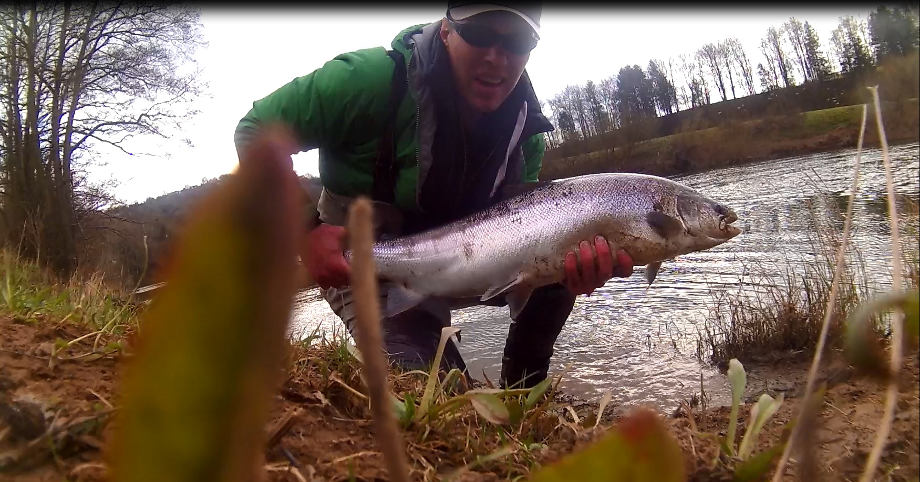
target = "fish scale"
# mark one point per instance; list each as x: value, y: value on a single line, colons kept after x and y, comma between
x: 519, y: 244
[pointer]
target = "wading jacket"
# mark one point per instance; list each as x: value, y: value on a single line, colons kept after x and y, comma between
x: 438, y: 174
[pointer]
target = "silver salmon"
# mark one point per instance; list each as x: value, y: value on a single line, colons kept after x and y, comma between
x: 519, y: 244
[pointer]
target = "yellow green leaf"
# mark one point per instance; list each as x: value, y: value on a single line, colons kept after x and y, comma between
x: 196, y: 395
x: 537, y: 392
x: 738, y: 379
x: 862, y: 346
x: 638, y: 449
x: 490, y: 407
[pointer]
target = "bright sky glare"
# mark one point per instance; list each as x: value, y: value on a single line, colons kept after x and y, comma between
x: 251, y: 52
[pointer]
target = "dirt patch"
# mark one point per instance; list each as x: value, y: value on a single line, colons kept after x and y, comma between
x: 67, y: 401
x: 845, y: 429
x: 324, y: 430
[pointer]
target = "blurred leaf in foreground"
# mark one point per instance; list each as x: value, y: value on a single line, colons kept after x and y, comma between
x: 863, y: 347
x: 196, y: 396
x: 638, y: 449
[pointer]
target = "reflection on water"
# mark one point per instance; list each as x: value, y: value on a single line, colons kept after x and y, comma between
x: 641, y: 343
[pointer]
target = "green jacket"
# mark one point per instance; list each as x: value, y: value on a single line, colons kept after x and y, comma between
x: 340, y: 109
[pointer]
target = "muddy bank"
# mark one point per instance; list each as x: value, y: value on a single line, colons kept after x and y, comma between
x: 326, y: 430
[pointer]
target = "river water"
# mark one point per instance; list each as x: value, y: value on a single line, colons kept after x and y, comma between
x: 640, y: 344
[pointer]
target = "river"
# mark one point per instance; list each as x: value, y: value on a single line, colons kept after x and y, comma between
x: 639, y: 342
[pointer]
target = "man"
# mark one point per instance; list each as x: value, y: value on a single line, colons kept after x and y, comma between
x: 443, y: 125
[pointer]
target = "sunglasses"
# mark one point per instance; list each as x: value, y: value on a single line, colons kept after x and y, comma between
x: 482, y: 36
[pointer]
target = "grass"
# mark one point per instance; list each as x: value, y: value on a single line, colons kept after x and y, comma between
x: 784, y: 313
x: 453, y: 434
x: 819, y: 121
x: 33, y: 294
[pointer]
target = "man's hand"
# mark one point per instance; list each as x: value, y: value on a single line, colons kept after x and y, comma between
x: 596, y: 266
x: 322, y: 255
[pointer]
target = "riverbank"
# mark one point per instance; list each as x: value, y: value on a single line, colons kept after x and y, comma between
x: 56, y: 411
x: 53, y: 375
x: 733, y: 144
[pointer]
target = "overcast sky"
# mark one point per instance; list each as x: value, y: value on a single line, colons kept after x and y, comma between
x: 251, y: 52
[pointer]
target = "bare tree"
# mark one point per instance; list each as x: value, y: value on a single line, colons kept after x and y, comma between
x: 670, y: 74
x: 772, y: 48
x: 78, y: 76
x: 598, y: 116
x: 796, y: 36
x: 696, y: 92
x: 709, y: 55
x: 741, y: 63
x: 607, y: 92
x: 578, y: 107
x: 725, y: 58
x: 768, y: 79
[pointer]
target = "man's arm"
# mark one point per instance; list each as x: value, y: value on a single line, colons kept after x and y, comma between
x: 321, y: 106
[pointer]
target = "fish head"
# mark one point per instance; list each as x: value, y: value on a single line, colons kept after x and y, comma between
x: 707, y: 222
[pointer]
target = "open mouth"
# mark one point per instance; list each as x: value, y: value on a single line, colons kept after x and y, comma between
x: 725, y: 223
x: 490, y: 82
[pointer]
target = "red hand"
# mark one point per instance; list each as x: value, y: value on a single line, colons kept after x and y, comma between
x: 323, y: 258
x: 597, y: 266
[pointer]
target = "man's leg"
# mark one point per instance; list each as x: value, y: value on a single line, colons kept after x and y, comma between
x: 531, y: 336
x: 410, y: 338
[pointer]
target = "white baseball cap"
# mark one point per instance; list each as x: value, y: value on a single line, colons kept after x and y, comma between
x: 530, y: 13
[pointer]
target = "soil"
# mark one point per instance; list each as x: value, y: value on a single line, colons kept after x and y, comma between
x: 327, y: 433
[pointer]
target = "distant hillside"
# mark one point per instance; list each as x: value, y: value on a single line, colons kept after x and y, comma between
x: 116, y: 249
x: 898, y: 79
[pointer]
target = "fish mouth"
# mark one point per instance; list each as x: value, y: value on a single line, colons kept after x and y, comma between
x: 726, y: 219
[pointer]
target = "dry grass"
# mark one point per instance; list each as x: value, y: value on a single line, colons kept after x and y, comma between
x: 453, y: 437
x: 34, y: 294
x: 784, y: 312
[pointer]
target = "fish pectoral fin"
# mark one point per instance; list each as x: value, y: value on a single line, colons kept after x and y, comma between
x: 497, y: 290
x: 651, y: 271
x: 517, y: 299
x: 666, y: 226
x: 400, y: 299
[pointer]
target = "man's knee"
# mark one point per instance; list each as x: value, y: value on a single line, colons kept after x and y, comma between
x: 411, y: 340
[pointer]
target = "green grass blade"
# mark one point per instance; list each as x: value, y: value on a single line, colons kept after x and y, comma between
x: 738, y: 379
x: 425, y: 404
x: 765, y: 408
x: 536, y: 393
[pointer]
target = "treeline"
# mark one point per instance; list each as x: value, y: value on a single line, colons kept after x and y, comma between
x: 789, y: 55
x: 75, y: 76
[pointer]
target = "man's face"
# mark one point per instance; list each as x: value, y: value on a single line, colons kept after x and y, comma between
x: 485, y: 76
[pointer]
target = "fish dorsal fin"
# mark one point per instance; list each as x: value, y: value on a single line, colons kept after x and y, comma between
x: 503, y: 288
x: 651, y: 271
x: 666, y: 226
x: 400, y: 299
x: 517, y: 299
